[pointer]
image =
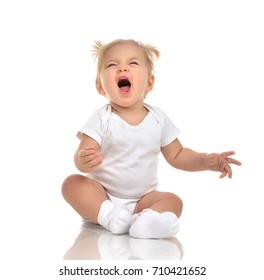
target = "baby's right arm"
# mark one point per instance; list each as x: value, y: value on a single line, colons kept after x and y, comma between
x: 87, y: 157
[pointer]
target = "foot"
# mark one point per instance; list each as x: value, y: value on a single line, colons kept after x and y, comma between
x: 121, y: 219
x: 151, y: 224
x: 114, y: 217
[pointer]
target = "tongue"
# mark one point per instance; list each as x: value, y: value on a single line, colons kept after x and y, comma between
x: 125, y: 89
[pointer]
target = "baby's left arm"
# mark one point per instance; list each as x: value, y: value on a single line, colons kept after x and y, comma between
x: 189, y: 160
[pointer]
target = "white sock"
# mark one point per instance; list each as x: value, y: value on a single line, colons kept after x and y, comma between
x: 116, y: 218
x: 151, y: 224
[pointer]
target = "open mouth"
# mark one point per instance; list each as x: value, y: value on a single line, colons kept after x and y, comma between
x: 124, y: 84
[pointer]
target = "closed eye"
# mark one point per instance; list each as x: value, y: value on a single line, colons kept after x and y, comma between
x: 134, y: 63
x: 111, y: 65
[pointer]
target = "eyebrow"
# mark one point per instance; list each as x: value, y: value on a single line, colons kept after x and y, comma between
x: 134, y: 58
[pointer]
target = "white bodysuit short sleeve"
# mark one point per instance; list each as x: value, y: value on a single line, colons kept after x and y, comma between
x: 130, y: 153
x: 169, y: 130
x: 96, y: 124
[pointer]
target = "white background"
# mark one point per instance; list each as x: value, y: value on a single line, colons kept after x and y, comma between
x: 209, y: 80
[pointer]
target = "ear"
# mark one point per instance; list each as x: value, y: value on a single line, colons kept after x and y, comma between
x: 99, y: 87
x: 151, y: 80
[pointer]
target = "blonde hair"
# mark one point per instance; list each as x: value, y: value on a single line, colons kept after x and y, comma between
x: 150, y: 52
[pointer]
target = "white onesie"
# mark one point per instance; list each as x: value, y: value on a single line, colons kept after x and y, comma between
x: 130, y: 153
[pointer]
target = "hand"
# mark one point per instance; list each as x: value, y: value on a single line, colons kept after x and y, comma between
x: 221, y: 162
x: 90, y: 158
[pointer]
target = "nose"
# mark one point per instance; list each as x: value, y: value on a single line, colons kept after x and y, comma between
x: 122, y: 68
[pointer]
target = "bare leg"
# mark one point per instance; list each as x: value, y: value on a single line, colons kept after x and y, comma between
x: 160, y: 202
x: 84, y: 195
x: 90, y: 200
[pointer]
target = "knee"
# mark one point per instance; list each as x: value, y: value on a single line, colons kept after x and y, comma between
x: 176, y: 202
x: 180, y: 206
x: 69, y: 184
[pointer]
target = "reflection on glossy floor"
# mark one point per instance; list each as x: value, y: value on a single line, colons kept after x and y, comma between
x: 95, y: 243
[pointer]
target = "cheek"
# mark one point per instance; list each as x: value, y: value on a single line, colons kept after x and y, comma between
x: 143, y: 80
x: 107, y: 80
x: 143, y: 75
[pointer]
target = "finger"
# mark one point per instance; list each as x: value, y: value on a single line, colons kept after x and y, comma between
x: 87, y: 152
x: 91, y: 158
x: 89, y: 148
x: 87, y: 159
x: 227, y: 154
x: 96, y: 161
x: 233, y: 161
x: 229, y: 171
x: 92, y: 163
x: 224, y: 173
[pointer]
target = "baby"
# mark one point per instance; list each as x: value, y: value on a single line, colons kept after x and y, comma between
x: 119, y: 148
